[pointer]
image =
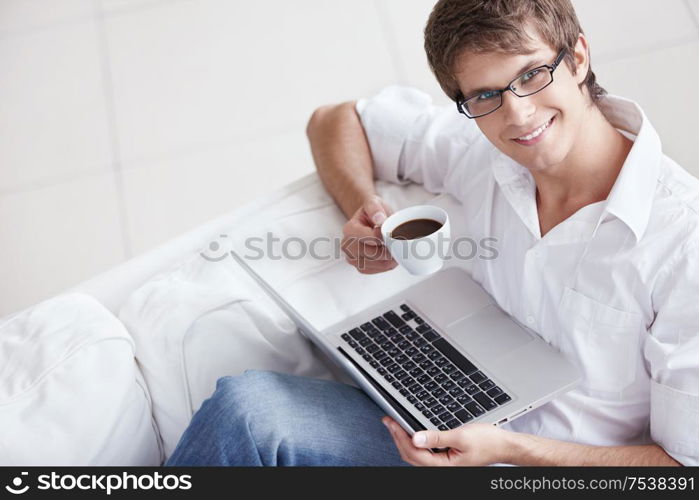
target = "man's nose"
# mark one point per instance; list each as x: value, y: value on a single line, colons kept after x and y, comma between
x: 518, y: 110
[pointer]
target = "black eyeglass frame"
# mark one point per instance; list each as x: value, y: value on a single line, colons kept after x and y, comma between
x: 461, y: 103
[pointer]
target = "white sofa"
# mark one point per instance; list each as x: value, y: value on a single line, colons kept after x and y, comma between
x: 111, y: 372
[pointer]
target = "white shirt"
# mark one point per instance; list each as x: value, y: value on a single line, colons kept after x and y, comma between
x: 615, y: 287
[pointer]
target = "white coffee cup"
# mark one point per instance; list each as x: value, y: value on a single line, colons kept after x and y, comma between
x: 419, y: 256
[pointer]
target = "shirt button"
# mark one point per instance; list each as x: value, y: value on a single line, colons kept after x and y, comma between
x: 530, y: 319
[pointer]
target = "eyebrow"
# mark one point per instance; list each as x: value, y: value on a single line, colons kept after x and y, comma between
x: 531, y: 64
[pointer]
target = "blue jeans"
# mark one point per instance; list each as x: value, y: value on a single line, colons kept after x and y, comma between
x: 267, y: 418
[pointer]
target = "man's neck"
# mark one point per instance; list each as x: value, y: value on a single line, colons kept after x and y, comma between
x: 589, y: 171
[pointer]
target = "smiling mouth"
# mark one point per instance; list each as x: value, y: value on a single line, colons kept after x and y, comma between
x: 535, y: 133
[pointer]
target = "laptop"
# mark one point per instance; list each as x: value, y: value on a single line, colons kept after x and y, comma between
x: 440, y: 354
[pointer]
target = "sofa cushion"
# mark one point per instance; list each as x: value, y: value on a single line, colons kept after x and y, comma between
x: 70, y: 389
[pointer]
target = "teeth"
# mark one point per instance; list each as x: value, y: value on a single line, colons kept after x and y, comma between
x: 536, y: 133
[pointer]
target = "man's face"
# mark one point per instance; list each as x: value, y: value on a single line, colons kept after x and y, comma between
x: 561, y: 105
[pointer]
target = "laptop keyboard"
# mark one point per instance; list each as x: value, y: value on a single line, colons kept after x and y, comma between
x: 436, y: 379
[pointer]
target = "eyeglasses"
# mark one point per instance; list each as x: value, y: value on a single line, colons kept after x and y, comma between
x: 528, y: 83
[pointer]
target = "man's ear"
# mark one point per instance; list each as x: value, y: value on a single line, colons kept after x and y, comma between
x: 581, y: 58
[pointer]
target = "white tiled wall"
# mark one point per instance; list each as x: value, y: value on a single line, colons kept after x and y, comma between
x: 126, y: 122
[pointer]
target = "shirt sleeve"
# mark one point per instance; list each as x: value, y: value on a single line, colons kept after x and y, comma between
x: 413, y: 140
x: 672, y: 353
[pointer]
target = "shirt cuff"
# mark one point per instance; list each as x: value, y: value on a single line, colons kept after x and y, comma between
x: 387, y: 119
x: 673, y: 422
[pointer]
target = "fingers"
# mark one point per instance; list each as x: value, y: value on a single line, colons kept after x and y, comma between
x: 375, y: 210
x: 366, y: 266
x: 408, y: 451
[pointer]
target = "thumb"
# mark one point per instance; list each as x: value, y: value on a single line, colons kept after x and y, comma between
x: 436, y: 439
x: 375, y: 210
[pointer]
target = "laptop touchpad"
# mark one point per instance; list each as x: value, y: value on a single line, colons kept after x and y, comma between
x: 488, y: 333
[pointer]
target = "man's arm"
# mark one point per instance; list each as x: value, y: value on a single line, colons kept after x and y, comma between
x: 485, y: 444
x: 342, y: 155
x: 534, y: 450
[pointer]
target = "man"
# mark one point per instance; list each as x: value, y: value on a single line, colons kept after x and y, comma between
x: 597, y: 236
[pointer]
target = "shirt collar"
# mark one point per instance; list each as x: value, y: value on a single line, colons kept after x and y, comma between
x: 631, y: 196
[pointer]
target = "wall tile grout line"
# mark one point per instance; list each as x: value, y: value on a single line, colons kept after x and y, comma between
x: 389, y: 36
x: 108, y: 87
x: 692, y: 14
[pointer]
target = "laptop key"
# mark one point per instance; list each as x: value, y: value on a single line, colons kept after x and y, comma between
x: 431, y: 336
x: 356, y: 333
x: 394, y: 319
x: 453, y: 406
x: 359, y: 350
x: 388, y: 377
x: 433, y: 371
x: 380, y: 339
x: 486, y: 384
x: 423, y: 328
x: 442, y: 427
x: 419, y: 358
x: 464, y: 398
x: 427, y: 349
x: 453, y: 423
x: 435, y: 355
x: 367, y: 357
x: 393, y: 352
x: 393, y: 368
x: 427, y: 413
x: 430, y: 385
x: 484, y: 400
x: 412, y: 336
x: 424, y: 378
x: 408, y: 381
x: 455, y: 356
x: 435, y: 421
x: 385, y: 360
x: 448, y: 368
x: 412, y: 351
x: 438, y: 392
x: 495, y: 391
x: 346, y: 337
x: 401, y: 358
x: 502, y: 399
x: 441, y: 361
x: 400, y: 374
x: 404, y: 392
x: 446, y: 399
x: 405, y: 329
x: 415, y: 388
x: 456, y: 391
x: 419, y: 320
x: 440, y: 378
x: 472, y: 389
x: 386, y: 345
x: 365, y: 342
x: 371, y: 349
x: 409, y: 365
x: 374, y: 363
x: 417, y: 373
x: 463, y: 382
x: 477, y: 377
x: 405, y: 308
x: 448, y: 385
x: 463, y: 415
x: 380, y: 323
x: 420, y: 342
x: 396, y: 384
x: 474, y: 408
x: 407, y: 316
x: 456, y: 376
x: 414, y: 400
x: 404, y: 344
x: 444, y: 417
x: 381, y: 370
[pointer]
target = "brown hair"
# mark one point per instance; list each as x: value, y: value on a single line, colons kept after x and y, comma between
x: 499, y: 26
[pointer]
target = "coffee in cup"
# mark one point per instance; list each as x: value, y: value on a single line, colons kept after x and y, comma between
x: 418, y: 238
